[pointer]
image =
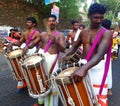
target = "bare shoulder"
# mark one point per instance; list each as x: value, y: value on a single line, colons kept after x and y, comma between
x: 107, y: 34
x: 85, y: 31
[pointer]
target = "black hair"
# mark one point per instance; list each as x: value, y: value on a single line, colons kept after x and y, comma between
x: 82, y: 25
x: 52, y: 16
x: 96, y: 8
x: 11, y: 29
x: 33, y: 20
x: 106, y: 23
x: 74, y: 21
x: 112, y: 28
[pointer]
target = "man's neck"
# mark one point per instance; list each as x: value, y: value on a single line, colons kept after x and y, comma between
x: 51, y: 31
x: 74, y: 30
x: 95, y: 28
x: 31, y: 29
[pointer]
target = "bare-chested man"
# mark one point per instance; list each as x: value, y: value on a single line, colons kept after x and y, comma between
x: 94, y: 66
x: 51, y: 53
x: 28, y: 42
x: 71, y: 34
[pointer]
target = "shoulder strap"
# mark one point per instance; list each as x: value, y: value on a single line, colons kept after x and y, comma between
x: 50, y: 41
x: 107, y: 63
x: 52, y: 68
x: 30, y: 37
x: 77, y: 35
x: 95, y: 43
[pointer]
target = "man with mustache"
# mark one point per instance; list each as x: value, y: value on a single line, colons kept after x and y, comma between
x: 28, y: 42
x: 51, y: 44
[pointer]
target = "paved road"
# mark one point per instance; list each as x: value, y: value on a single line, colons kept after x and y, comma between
x: 8, y: 97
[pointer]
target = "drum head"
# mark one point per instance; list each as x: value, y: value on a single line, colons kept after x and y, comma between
x: 15, y: 53
x: 32, y: 60
x: 65, y: 74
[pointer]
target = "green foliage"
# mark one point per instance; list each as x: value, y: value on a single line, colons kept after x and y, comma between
x: 68, y: 8
x: 113, y: 7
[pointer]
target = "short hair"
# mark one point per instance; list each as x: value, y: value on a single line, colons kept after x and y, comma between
x: 74, y: 21
x: 82, y: 25
x: 11, y: 29
x: 112, y: 28
x: 52, y: 16
x: 96, y: 8
x: 33, y: 20
x: 106, y: 23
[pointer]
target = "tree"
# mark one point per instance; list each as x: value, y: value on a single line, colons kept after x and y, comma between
x: 113, y: 7
x: 69, y: 9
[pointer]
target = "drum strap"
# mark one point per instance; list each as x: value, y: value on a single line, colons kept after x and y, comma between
x: 50, y: 41
x: 107, y: 59
x: 95, y: 43
x: 30, y: 37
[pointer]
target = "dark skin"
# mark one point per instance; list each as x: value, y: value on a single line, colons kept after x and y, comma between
x: 58, y: 42
x: 72, y: 33
x: 35, y: 38
x: 86, y: 38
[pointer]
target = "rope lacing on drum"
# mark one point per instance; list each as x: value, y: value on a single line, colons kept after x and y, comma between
x: 70, y: 100
x: 40, y: 82
x: 61, y: 95
x: 78, y: 94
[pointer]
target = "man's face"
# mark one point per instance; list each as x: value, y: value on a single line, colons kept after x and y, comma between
x: 76, y: 26
x: 96, y: 19
x: 52, y: 23
x: 30, y: 24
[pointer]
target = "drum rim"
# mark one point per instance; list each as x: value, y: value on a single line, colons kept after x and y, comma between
x: 31, y: 65
x: 14, y: 56
x: 66, y: 79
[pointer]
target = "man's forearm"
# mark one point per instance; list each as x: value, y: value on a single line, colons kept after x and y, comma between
x: 71, y: 51
x: 60, y: 47
x: 16, y: 43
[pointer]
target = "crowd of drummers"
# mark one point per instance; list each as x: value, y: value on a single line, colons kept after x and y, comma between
x: 75, y: 70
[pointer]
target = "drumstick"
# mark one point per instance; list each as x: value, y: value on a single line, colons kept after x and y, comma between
x: 49, y: 79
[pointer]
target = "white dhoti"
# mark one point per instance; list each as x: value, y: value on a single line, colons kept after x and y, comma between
x: 110, y: 76
x: 52, y: 98
x: 30, y: 51
x: 96, y: 75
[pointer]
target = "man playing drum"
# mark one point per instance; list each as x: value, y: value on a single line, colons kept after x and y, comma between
x: 72, y: 38
x: 52, y: 43
x: 93, y: 57
x: 28, y: 42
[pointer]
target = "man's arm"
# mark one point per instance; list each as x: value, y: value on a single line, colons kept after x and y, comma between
x: 72, y: 49
x: 61, y: 44
x: 101, y: 51
x: 35, y: 39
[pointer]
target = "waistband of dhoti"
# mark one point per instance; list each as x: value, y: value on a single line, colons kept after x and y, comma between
x: 46, y: 54
x: 102, y: 96
x: 98, y: 86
